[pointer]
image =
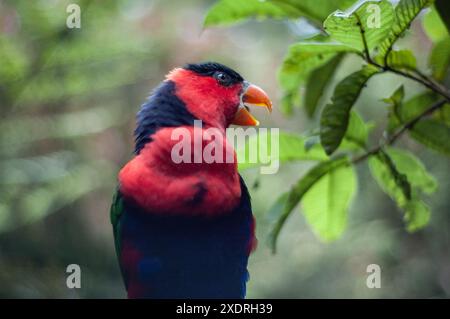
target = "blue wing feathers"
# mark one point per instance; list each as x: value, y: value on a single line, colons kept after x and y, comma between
x: 188, y: 257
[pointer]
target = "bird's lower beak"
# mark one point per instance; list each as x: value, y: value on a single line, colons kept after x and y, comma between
x: 253, y: 96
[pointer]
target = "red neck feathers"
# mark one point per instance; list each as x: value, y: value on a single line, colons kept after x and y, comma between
x: 155, y: 182
x: 206, y: 99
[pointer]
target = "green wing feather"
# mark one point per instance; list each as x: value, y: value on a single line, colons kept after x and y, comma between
x: 115, y: 214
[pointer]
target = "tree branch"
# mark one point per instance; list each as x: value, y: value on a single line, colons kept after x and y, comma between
x: 407, y: 126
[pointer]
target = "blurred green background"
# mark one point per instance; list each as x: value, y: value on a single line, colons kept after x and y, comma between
x: 68, y: 98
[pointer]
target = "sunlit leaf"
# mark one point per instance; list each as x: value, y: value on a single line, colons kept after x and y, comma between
x: 402, y: 177
x: 225, y: 12
x: 291, y: 148
x: 326, y: 204
x: 366, y: 23
x: 434, y: 26
x: 440, y: 59
x: 405, y: 12
x: 286, y: 204
x: 417, y: 215
x: 403, y: 59
x: 335, y: 116
x: 357, y: 131
x: 409, y: 165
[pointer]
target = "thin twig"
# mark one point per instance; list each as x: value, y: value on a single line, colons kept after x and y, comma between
x: 407, y: 126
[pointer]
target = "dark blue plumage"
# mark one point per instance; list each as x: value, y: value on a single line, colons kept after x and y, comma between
x: 162, y: 109
x: 190, y: 256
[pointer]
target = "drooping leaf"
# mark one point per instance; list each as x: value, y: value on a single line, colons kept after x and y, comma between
x: 286, y: 204
x: 291, y: 148
x: 335, y: 116
x: 403, y: 59
x: 317, y: 83
x: 434, y: 26
x: 394, y: 101
x: 417, y: 215
x: 404, y: 112
x: 397, y: 97
x: 410, y: 166
x: 357, y: 131
x: 440, y: 59
x: 434, y: 134
x: 225, y: 12
x: 302, y: 59
x: 402, y: 176
x: 431, y: 132
x: 367, y: 23
x: 326, y: 204
x: 317, y: 10
x: 405, y: 12
x: 400, y: 180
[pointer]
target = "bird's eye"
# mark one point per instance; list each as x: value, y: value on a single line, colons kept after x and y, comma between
x: 222, y: 78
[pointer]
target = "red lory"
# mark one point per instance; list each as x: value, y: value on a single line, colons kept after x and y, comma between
x: 186, y: 229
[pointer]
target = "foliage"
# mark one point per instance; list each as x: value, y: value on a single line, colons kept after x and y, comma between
x: 370, y: 30
x: 59, y: 89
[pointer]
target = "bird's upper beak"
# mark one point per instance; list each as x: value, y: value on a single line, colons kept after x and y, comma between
x: 253, y: 96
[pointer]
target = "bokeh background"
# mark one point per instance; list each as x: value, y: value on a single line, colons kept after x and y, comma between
x: 68, y: 98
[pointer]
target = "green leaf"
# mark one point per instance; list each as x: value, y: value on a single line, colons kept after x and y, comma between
x: 326, y: 204
x: 440, y: 59
x: 335, y: 116
x: 416, y: 173
x: 402, y: 176
x: 434, y: 26
x: 227, y: 12
x: 405, y: 112
x: 395, y: 101
x: 366, y: 23
x: 405, y: 12
x: 443, y: 115
x: 385, y: 173
x: 357, y: 131
x: 403, y: 59
x: 434, y: 134
x: 302, y: 59
x: 417, y: 215
x: 431, y: 132
x: 291, y: 148
x: 443, y: 7
x: 316, y: 10
x: 397, y: 97
x: 286, y: 204
x: 317, y: 83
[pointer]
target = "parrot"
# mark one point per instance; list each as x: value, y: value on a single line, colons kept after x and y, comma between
x: 185, y: 230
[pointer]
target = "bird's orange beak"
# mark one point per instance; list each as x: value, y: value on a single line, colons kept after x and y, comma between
x: 253, y: 96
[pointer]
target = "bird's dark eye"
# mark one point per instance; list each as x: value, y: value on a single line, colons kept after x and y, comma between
x: 222, y: 78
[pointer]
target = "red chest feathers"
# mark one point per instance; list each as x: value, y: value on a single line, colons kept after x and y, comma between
x: 162, y: 185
